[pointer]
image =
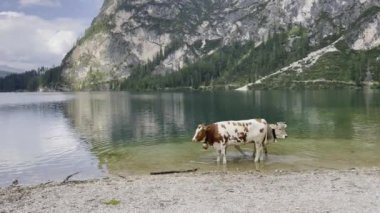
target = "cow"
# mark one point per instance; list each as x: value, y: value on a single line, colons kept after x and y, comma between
x: 274, y: 132
x: 236, y: 133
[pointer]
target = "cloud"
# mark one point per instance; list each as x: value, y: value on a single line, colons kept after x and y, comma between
x: 29, y: 41
x: 45, y: 3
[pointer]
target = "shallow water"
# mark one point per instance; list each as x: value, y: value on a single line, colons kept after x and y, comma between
x: 47, y: 136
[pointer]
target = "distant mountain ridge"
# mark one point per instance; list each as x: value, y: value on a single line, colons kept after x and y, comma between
x: 167, y: 43
x: 4, y: 73
x: 6, y: 68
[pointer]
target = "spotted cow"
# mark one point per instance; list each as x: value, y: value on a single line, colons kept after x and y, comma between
x: 274, y: 132
x: 236, y: 133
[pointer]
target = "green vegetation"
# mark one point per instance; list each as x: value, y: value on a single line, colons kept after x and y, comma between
x: 343, y: 68
x: 112, y: 202
x: 244, y: 63
x: 237, y: 63
x: 93, y: 79
x: 33, y: 80
x: 346, y: 65
x: 209, y: 45
x: 101, y: 24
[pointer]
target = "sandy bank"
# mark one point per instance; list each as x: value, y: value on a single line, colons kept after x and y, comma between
x: 317, y: 191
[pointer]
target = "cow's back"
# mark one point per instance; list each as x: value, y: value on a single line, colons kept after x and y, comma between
x: 242, y: 131
x: 257, y: 130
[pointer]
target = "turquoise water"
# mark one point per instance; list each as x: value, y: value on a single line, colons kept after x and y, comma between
x: 47, y: 136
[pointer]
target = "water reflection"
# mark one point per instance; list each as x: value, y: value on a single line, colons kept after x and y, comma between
x: 136, y: 132
x: 37, y: 143
x: 48, y: 136
x: 124, y: 117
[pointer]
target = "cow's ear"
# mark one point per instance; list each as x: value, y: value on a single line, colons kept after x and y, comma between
x: 201, y: 125
x: 283, y: 124
x: 273, y: 126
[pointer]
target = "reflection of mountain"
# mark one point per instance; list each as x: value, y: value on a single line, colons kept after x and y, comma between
x: 332, y: 114
x: 37, y: 142
x: 129, y: 131
x: 151, y: 117
x: 111, y: 121
x: 124, y: 117
x: 90, y: 114
x: 173, y: 108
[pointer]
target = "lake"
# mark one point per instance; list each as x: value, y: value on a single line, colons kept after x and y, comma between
x: 48, y: 136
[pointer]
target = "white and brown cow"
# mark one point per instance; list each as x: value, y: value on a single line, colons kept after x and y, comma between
x: 274, y: 132
x: 236, y: 133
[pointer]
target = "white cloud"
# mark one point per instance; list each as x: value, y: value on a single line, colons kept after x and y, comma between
x: 45, y: 3
x: 28, y: 41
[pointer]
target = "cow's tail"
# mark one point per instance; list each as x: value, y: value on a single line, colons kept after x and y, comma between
x: 266, y: 136
x: 264, y: 142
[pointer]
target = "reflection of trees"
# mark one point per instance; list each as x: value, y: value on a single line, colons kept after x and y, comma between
x: 157, y: 115
x: 90, y: 116
x: 110, y: 117
x: 320, y: 114
x: 330, y: 114
x: 125, y: 117
x: 173, y: 108
x: 111, y: 121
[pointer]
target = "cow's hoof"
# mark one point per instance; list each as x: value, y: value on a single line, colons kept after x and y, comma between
x: 205, y: 146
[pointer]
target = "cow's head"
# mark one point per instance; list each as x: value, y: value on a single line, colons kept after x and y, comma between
x: 200, y: 133
x: 279, y: 130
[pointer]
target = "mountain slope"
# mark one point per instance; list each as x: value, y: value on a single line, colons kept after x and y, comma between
x: 144, y: 40
x: 6, y: 70
x: 4, y: 73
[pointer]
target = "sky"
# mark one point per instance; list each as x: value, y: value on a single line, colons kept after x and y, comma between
x: 35, y: 33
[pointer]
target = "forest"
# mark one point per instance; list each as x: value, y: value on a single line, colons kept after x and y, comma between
x: 245, y: 63
x: 235, y: 64
x: 33, y: 80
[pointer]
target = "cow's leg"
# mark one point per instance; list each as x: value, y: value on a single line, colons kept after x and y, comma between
x: 262, y: 153
x: 218, y: 152
x: 259, y: 150
x: 240, y: 150
x: 254, y: 150
x: 218, y: 156
x: 265, y: 151
x: 223, y: 148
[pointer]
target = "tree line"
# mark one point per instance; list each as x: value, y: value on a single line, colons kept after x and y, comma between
x: 33, y: 80
x: 239, y: 62
x: 236, y: 63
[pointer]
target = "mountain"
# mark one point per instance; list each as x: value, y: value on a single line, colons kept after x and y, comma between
x: 153, y: 44
x: 4, y: 73
x: 7, y: 70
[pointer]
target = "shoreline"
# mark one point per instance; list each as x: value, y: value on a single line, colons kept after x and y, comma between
x: 354, y: 190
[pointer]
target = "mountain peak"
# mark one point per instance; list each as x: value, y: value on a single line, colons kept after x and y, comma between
x: 170, y: 35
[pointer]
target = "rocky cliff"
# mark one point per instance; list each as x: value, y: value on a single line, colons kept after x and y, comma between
x: 176, y: 34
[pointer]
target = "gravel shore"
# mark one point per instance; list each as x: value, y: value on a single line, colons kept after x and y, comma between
x: 355, y: 190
